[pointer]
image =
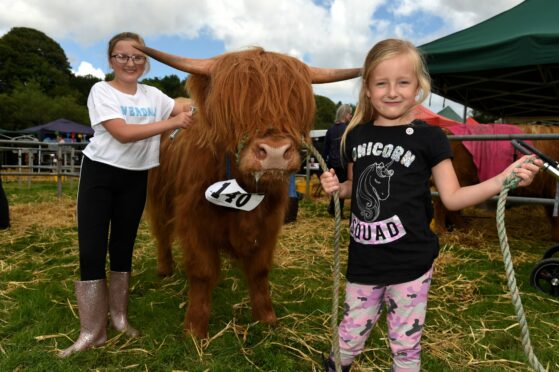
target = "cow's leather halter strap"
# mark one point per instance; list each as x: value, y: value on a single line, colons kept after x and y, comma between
x: 240, y: 148
x: 227, y: 167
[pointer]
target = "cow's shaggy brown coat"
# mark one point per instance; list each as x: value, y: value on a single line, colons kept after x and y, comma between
x: 254, y: 102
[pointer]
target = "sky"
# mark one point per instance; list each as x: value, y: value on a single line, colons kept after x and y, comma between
x: 322, y: 33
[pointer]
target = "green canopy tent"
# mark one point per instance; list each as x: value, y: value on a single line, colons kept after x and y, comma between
x: 449, y: 113
x: 506, y: 66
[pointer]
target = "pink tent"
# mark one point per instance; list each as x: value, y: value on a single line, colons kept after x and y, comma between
x: 471, y: 121
x: 490, y: 157
x: 428, y: 116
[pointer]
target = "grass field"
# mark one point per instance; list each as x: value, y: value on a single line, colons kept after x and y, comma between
x: 471, y: 324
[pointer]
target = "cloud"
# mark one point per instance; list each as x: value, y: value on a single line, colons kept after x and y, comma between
x: 456, y: 14
x: 329, y: 33
x: 86, y: 68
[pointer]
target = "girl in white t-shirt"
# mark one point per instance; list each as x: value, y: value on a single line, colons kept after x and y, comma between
x: 127, y: 118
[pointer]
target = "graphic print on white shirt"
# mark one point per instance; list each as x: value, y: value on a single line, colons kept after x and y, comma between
x: 146, y: 106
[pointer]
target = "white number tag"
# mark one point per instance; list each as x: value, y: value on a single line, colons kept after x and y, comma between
x: 230, y: 194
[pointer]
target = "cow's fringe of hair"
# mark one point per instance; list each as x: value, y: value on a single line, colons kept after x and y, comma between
x: 247, y: 88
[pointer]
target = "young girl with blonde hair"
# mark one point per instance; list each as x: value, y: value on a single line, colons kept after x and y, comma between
x: 391, y: 158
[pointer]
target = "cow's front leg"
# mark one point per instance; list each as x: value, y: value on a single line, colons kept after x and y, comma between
x: 446, y: 220
x: 162, y: 232
x: 164, y: 256
x: 439, y: 216
x: 257, y: 267
x: 202, y: 267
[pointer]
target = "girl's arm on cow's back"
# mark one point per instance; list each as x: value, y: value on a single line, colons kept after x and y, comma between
x: 454, y: 197
x: 182, y: 104
x: 124, y: 132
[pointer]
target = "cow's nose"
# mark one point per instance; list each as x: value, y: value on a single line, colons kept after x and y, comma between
x: 274, y: 157
x: 265, y: 150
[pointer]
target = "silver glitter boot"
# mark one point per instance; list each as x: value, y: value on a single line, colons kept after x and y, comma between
x: 118, y: 303
x: 92, y: 309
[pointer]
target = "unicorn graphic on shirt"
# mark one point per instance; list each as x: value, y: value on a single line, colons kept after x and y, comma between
x: 373, y: 187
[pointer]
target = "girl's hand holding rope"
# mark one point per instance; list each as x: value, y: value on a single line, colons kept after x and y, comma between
x: 524, y: 168
x: 329, y: 182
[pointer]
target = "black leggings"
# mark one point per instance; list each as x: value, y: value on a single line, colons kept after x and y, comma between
x: 108, y: 197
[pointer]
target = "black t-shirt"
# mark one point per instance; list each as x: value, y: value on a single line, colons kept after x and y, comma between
x: 391, y: 241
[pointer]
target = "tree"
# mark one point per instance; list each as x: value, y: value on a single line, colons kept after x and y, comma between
x: 82, y: 85
x: 28, y: 54
x: 36, y: 81
x: 325, y: 112
x: 171, y: 85
x: 28, y: 106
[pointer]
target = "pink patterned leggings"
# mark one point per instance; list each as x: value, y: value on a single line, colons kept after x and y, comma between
x: 406, y: 305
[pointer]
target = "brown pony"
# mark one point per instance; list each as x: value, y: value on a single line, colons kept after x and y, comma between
x: 254, y: 110
x: 543, y: 186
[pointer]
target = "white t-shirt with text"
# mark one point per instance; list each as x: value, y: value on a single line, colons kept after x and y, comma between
x: 148, y: 105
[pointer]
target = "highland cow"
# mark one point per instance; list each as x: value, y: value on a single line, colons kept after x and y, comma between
x: 222, y: 185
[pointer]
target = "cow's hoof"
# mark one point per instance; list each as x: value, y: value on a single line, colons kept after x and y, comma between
x: 164, y: 271
x: 269, y: 319
x: 197, y: 332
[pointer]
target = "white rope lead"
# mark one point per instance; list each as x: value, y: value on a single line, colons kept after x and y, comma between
x: 336, y: 268
x: 510, y: 183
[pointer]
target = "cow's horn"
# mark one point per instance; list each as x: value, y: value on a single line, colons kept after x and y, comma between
x: 190, y: 65
x: 330, y: 75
